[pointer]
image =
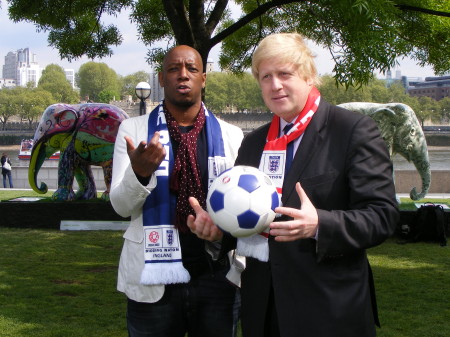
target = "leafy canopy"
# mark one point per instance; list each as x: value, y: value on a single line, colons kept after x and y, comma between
x: 362, y: 35
x: 128, y: 82
x: 230, y: 92
x: 54, y: 80
x: 95, y: 78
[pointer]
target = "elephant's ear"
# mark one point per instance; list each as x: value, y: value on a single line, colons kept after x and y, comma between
x: 66, y: 120
x: 385, y: 119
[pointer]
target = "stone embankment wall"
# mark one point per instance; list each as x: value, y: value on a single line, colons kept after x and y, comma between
x: 49, y: 176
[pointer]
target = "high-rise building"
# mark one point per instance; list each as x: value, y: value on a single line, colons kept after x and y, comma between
x: 209, y: 66
x: 70, y: 76
x: 22, y: 67
x: 10, y: 66
x: 157, y: 93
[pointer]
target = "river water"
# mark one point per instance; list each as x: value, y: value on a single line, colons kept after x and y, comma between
x: 439, y: 159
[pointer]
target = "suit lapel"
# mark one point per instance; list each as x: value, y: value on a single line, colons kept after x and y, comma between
x: 310, y: 143
x: 254, y: 148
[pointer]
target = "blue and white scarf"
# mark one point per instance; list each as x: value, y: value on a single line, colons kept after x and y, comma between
x: 162, y: 249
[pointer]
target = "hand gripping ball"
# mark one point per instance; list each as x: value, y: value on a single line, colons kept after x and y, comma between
x: 242, y: 200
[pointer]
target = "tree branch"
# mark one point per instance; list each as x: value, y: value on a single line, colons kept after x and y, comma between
x: 179, y: 21
x: 260, y: 10
x: 216, y: 15
x: 422, y: 10
x: 197, y: 23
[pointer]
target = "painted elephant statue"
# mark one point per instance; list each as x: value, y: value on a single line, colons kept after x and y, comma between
x: 403, y: 134
x: 85, y: 135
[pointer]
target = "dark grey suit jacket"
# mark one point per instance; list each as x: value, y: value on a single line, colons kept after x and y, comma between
x: 325, y: 287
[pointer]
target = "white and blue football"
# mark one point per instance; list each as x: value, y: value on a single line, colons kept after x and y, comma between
x: 242, y: 200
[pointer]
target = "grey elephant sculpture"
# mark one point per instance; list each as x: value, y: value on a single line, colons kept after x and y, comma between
x: 402, y: 133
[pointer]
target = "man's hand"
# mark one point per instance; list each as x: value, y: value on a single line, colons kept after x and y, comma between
x: 145, y: 158
x: 201, y: 224
x: 305, y: 222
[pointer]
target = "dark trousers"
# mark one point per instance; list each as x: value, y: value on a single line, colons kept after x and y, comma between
x: 7, y: 173
x: 207, y: 306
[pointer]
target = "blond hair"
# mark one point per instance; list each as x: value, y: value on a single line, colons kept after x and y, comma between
x: 286, y: 48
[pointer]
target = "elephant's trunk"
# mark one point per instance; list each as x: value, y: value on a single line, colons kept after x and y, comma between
x: 36, y: 160
x: 422, y: 164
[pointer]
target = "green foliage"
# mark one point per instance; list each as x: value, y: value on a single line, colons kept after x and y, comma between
x: 362, y: 35
x: 63, y: 283
x: 35, y: 102
x: 28, y: 103
x: 106, y: 96
x: 54, y: 80
x: 129, y: 82
x: 152, y: 26
x: 60, y: 283
x: 377, y: 91
x: 411, y: 282
x: 74, y: 27
x: 426, y: 109
x: 444, y: 109
x: 226, y: 92
x: 94, y: 78
x: 7, y: 102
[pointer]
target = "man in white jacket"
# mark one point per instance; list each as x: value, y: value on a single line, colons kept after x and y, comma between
x: 173, y: 285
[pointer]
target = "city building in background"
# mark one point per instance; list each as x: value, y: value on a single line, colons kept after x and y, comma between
x: 209, y: 66
x: 21, y: 67
x: 70, y: 76
x: 157, y: 93
x: 7, y: 83
x: 436, y: 87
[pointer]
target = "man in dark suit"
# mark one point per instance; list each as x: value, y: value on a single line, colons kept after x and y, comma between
x: 334, y: 175
x: 338, y: 198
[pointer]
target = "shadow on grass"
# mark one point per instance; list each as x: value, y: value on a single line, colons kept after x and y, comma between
x: 412, y: 283
x: 60, y: 284
x: 63, y: 284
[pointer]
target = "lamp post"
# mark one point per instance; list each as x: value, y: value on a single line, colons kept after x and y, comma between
x: 143, y: 91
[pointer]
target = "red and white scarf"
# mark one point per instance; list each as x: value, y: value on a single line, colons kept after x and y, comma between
x: 273, y: 161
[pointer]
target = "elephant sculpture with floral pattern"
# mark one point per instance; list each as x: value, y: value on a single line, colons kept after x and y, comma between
x: 402, y: 133
x: 85, y: 135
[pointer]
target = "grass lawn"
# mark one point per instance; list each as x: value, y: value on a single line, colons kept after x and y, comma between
x: 60, y: 283
x: 63, y: 284
x: 412, y: 283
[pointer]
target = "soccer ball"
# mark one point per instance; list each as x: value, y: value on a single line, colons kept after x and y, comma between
x: 241, y: 201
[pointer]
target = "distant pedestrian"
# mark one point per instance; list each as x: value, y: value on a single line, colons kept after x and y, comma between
x: 6, y: 170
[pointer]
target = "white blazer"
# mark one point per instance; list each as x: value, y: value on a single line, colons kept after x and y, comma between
x: 128, y: 196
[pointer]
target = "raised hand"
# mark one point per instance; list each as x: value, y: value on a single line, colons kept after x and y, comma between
x: 304, y: 224
x: 201, y: 224
x: 145, y: 158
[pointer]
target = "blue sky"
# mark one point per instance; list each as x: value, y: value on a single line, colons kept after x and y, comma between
x: 130, y: 56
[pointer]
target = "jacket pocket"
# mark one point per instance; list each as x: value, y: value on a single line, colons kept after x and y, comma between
x: 323, y: 188
x: 325, y: 178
